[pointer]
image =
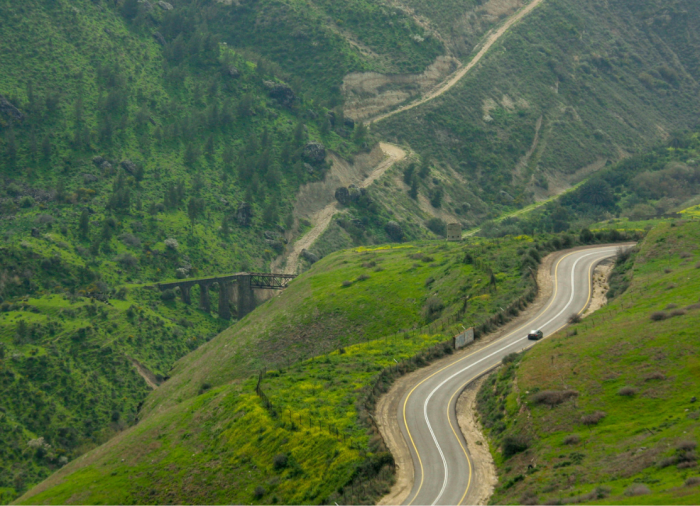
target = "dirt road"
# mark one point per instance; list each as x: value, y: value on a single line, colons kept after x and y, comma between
x: 322, y: 218
x: 461, y: 72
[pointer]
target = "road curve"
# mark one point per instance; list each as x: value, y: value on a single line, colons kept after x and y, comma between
x: 443, y: 469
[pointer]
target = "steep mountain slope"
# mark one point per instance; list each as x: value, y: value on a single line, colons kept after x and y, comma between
x: 573, y: 85
x: 207, y: 426
x: 606, y: 412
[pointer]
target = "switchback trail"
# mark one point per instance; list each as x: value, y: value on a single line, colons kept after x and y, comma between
x: 321, y: 219
x: 418, y: 418
x: 461, y: 72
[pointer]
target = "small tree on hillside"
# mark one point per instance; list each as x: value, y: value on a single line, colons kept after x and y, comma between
x: 84, y: 224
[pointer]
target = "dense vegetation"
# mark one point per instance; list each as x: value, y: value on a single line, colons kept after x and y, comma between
x: 586, y: 97
x: 606, y: 410
x: 323, y: 341
x: 643, y: 187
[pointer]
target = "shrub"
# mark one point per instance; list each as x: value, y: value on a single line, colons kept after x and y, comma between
x: 362, y: 277
x: 259, y: 492
x: 655, y: 376
x: 668, y: 271
x: 658, y: 316
x: 671, y: 306
x: 127, y: 261
x: 687, y: 464
x: 637, y: 489
x: 692, y: 307
x: 437, y: 226
x: 686, y: 445
x: 678, y: 312
x: 168, y: 295
x: 130, y: 240
x: 427, y: 259
x: 510, y: 358
x: 514, y: 444
x: 593, y: 418
x: 433, y: 308
x: 572, y: 439
x: 346, y: 284
x: 280, y: 461
x: 26, y: 202
x: 574, y: 318
x: 627, y: 391
x: 666, y: 462
x: 44, y: 219
x: 692, y: 481
x: 172, y: 244
x: 553, y: 397
x: 429, y: 281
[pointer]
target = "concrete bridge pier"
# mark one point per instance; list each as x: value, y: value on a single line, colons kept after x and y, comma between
x: 204, y: 303
x: 225, y: 299
x: 185, y: 294
x: 246, y: 297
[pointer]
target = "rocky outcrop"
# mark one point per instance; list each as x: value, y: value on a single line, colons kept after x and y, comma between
x: 233, y: 72
x: 159, y: 38
x: 7, y: 109
x: 281, y: 92
x: 244, y: 214
x: 129, y: 166
x: 394, y: 231
x: 165, y: 5
x: 314, y: 153
x: 102, y: 163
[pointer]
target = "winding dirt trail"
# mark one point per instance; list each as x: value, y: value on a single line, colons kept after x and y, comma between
x: 461, y: 72
x: 321, y: 219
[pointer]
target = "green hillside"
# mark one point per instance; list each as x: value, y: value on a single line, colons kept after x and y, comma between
x: 572, y: 86
x: 606, y: 411
x: 324, y: 342
x: 648, y: 186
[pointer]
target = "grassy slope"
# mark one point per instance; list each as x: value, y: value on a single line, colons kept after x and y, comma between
x: 620, y: 346
x: 206, y: 425
x: 67, y: 373
x: 317, y: 313
x: 610, y: 99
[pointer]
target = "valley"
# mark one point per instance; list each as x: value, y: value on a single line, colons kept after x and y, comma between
x: 148, y: 148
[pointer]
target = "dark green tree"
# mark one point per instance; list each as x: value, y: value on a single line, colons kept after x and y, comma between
x: 84, y: 224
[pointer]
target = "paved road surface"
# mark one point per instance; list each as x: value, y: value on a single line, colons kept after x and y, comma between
x: 443, y: 468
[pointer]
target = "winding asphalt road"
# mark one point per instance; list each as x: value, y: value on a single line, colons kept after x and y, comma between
x: 443, y: 469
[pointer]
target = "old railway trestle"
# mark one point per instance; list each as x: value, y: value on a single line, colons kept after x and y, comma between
x: 243, y: 296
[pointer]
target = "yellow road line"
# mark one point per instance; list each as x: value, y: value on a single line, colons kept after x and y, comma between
x: 405, y: 422
x: 469, y: 482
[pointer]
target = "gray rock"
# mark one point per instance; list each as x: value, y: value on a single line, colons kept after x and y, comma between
x: 129, y: 166
x: 308, y: 256
x: 394, y: 230
x: 10, y: 110
x: 233, y: 72
x: 331, y: 117
x: 98, y: 161
x: 281, y: 92
x: 309, y: 168
x: 105, y: 165
x: 244, y: 214
x: 314, y: 153
x: 159, y: 38
x: 271, y: 235
x: 165, y: 5
x: 312, y: 113
x: 90, y: 178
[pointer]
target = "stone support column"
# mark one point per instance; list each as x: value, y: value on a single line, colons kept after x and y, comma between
x: 185, y: 294
x: 225, y: 289
x: 204, y: 303
x: 246, y: 298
